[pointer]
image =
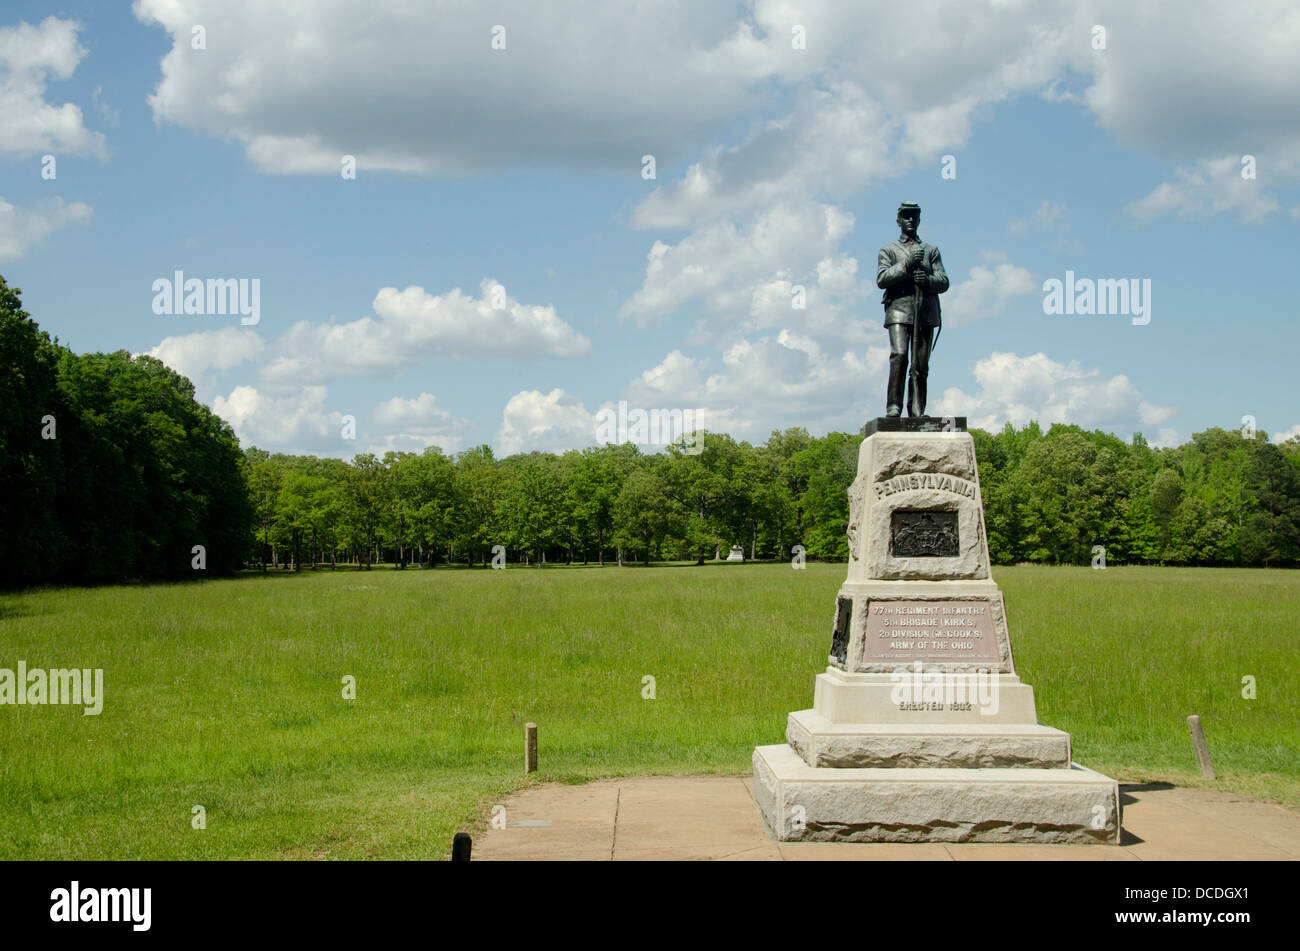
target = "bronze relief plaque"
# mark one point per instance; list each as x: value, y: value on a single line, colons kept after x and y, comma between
x: 923, y: 534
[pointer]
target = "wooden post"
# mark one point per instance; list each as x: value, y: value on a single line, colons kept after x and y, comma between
x: 530, y: 747
x: 1202, y: 751
x: 460, y: 847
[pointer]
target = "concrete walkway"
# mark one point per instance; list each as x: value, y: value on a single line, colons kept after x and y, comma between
x: 715, y: 817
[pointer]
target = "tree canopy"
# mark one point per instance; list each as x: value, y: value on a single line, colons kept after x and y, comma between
x: 1049, y: 497
x: 111, y: 470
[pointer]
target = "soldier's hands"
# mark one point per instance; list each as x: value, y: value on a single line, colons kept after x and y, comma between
x: 914, y: 257
x: 919, y: 277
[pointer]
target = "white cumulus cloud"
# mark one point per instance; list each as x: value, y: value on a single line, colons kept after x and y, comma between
x: 1292, y: 433
x: 29, y: 57
x: 731, y: 268
x: 193, y: 355
x: 550, y: 422
x: 769, y: 383
x: 295, y: 422
x: 412, y: 325
x: 1019, y: 389
x: 419, y: 87
x: 23, y: 228
x: 985, y: 292
x: 1208, y: 188
x: 414, y: 424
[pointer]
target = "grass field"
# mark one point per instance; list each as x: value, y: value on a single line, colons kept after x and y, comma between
x: 228, y: 694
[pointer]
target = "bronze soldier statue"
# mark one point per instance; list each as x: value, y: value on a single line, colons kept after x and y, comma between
x: 911, y: 274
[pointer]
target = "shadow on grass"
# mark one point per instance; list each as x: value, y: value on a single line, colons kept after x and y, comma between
x: 10, y: 611
x: 610, y: 566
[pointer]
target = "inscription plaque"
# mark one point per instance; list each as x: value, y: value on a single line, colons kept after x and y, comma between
x: 932, y: 632
x: 923, y: 534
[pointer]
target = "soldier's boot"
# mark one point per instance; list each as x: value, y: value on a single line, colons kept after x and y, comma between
x: 897, y: 379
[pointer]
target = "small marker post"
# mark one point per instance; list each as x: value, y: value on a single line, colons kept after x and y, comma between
x: 1202, y: 750
x: 530, y: 747
x: 461, y: 845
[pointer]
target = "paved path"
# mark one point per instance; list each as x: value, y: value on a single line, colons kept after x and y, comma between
x: 715, y: 817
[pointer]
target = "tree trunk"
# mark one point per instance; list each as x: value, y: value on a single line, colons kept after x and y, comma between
x: 702, y: 548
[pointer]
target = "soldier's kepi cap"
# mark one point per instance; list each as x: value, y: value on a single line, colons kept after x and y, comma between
x: 909, y: 207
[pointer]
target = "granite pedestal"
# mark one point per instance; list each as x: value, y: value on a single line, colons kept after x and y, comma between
x: 920, y: 729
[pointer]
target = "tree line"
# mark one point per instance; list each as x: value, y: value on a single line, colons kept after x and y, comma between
x: 611, y: 503
x: 111, y: 471
x: 1049, y: 497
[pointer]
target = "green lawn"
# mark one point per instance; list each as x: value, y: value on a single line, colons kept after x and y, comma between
x: 227, y: 694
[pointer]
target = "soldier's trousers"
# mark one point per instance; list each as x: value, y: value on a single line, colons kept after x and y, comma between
x: 900, y: 341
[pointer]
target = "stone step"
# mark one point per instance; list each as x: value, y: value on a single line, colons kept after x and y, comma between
x: 875, y: 698
x: 811, y: 804
x: 821, y: 743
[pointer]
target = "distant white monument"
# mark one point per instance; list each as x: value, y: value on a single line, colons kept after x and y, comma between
x: 737, y: 553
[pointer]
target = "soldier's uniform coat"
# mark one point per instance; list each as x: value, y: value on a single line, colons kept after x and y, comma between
x: 893, y: 275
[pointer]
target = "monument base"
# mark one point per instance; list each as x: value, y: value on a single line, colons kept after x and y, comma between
x: 914, y: 424
x: 803, y: 803
x: 820, y: 742
x: 872, y: 698
x: 921, y: 730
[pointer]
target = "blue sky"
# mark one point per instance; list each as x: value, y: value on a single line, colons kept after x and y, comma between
x: 776, y: 166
